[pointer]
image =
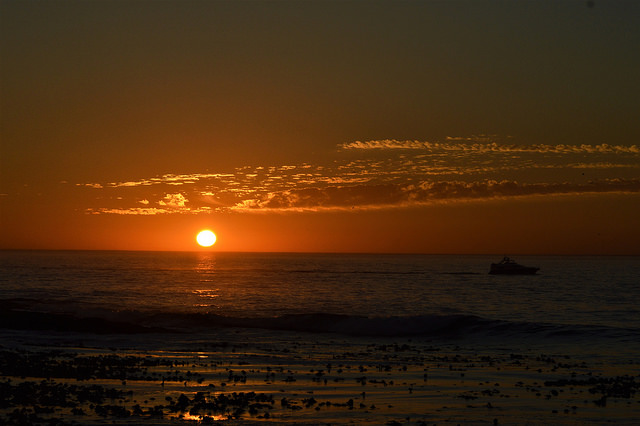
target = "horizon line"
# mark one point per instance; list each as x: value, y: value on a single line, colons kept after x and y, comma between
x: 319, y: 252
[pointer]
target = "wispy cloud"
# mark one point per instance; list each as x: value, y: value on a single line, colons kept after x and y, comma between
x: 390, y: 196
x: 454, y: 144
x: 151, y: 211
x: 176, y: 201
x: 127, y: 211
x: 384, y: 174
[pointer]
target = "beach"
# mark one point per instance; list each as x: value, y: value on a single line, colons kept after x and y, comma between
x: 252, y: 376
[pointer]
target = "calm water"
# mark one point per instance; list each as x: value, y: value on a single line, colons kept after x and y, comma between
x: 354, y: 294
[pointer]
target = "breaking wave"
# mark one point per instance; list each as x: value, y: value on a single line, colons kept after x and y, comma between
x: 16, y: 315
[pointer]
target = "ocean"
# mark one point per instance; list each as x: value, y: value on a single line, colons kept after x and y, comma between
x: 584, y: 308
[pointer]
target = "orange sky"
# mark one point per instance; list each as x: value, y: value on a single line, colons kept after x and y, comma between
x: 429, y: 127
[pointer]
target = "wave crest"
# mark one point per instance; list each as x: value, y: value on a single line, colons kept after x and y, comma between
x: 16, y: 315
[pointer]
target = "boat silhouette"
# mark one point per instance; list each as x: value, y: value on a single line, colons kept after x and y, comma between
x: 508, y: 266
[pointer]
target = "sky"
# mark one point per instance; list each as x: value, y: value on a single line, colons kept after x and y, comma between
x: 488, y: 127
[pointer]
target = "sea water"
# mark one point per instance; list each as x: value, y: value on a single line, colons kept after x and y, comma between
x: 593, y: 298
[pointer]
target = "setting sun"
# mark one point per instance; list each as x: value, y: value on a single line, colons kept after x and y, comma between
x: 206, y: 238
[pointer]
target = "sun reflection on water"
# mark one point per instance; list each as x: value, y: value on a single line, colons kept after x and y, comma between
x: 206, y: 263
x: 206, y: 271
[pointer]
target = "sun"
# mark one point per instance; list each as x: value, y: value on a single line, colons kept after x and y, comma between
x: 206, y: 238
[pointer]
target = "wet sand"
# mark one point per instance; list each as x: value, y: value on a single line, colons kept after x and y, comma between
x: 247, y: 377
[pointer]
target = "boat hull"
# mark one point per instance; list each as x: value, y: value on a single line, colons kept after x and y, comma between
x: 498, y: 269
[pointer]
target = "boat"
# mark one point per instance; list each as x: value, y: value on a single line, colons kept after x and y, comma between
x: 508, y: 266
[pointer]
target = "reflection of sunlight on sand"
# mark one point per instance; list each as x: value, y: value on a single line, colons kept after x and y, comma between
x: 199, y: 418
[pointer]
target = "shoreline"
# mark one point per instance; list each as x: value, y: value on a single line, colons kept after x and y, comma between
x: 243, y: 376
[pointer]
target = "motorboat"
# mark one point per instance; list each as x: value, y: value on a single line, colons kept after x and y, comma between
x: 508, y: 266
